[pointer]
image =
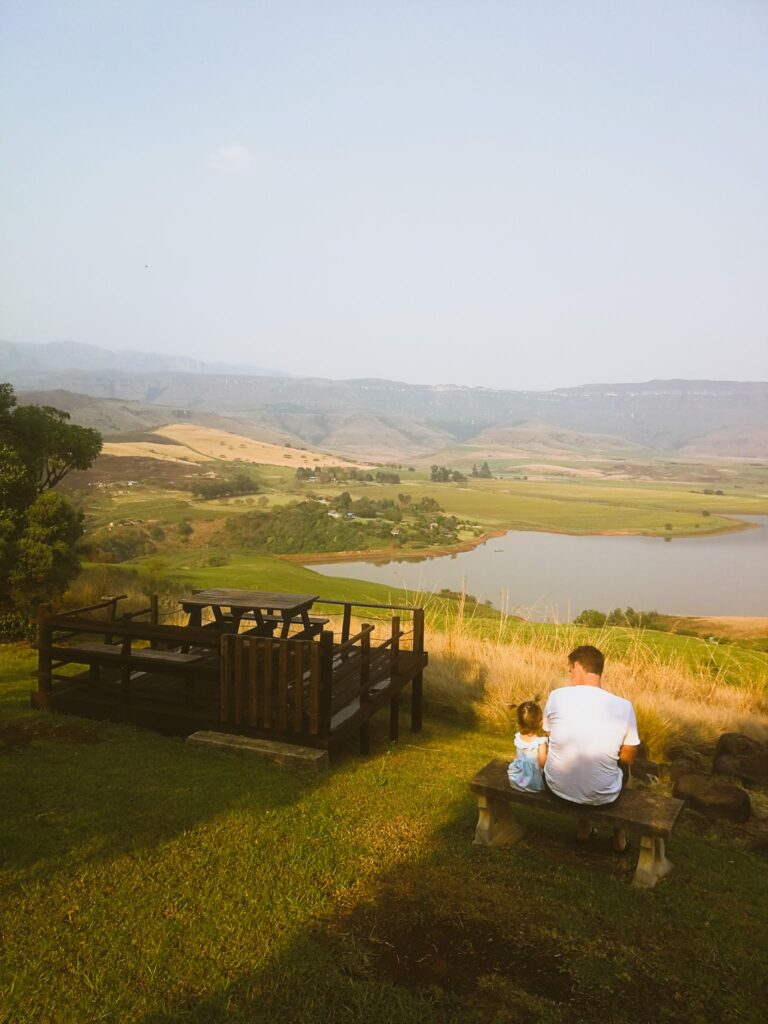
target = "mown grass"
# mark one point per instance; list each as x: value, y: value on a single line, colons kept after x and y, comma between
x: 146, y: 881
x: 583, y: 507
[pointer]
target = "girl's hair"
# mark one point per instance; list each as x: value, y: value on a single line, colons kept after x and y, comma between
x: 529, y: 716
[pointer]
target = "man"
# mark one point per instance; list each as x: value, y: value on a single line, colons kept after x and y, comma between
x: 592, y: 740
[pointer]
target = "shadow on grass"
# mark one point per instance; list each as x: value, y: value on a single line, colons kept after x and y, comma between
x: 74, y: 789
x: 463, y: 935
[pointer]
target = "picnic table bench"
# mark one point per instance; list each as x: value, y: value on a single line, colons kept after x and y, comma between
x: 125, y: 649
x: 637, y: 810
x: 266, y: 608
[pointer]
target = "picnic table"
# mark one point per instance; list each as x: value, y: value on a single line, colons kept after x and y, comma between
x: 265, y: 608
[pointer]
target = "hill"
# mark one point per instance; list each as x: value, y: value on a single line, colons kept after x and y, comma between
x: 537, y: 439
x: 405, y: 420
x: 188, y: 442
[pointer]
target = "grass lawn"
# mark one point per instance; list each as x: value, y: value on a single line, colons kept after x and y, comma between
x: 145, y: 881
x: 579, y: 507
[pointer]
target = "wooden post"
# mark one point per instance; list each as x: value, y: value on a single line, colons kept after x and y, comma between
x: 298, y: 688
x: 365, y: 674
x: 394, y: 658
x: 154, y: 616
x: 346, y: 627
x: 111, y: 616
x: 326, y: 682
x: 224, y: 670
x: 238, y: 681
x: 255, y: 655
x: 417, y: 685
x: 44, y: 657
x: 125, y: 667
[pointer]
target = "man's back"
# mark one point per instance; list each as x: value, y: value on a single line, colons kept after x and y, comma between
x: 587, y: 728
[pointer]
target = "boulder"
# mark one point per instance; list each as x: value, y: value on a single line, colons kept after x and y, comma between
x: 742, y: 757
x: 713, y: 797
x: 736, y: 744
x: 645, y: 771
x: 685, y: 767
x: 754, y: 768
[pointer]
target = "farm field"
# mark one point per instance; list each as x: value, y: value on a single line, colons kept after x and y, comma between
x: 144, y: 880
x: 566, y: 506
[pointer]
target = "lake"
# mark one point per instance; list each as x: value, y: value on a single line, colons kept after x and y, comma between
x: 552, y: 577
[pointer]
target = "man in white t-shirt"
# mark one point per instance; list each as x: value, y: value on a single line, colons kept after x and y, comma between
x: 592, y: 740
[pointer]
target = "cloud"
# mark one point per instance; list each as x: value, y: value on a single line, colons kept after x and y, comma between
x: 232, y: 160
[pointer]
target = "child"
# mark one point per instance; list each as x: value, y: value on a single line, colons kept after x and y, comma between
x: 525, y: 772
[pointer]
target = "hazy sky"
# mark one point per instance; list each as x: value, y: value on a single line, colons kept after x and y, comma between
x: 525, y: 194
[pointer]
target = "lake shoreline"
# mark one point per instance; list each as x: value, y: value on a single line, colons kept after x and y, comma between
x: 417, y: 554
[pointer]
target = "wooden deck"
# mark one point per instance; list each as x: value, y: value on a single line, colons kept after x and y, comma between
x: 180, y: 679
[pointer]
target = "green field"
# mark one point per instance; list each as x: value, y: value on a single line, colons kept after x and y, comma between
x: 579, y: 507
x: 567, y: 506
x: 146, y: 881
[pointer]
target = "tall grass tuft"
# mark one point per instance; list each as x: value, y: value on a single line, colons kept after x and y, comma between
x: 674, y: 703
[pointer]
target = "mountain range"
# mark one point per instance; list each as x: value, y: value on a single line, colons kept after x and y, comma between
x: 391, y: 420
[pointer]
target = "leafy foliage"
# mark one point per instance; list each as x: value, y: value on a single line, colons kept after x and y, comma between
x: 618, y: 617
x: 39, y: 529
x: 50, y: 446
x: 238, y: 484
x: 343, y: 525
x: 444, y: 475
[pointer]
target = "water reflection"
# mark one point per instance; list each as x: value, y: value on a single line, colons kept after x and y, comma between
x: 550, y: 576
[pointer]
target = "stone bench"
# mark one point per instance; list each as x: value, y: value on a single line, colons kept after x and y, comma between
x: 636, y: 810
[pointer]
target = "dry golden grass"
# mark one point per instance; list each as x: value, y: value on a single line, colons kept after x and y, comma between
x: 673, y: 702
x: 741, y: 627
x: 203, y: 444
x: 485, y: 678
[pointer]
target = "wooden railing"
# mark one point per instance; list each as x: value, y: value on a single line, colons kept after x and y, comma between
x: 281, y: 687
x: 300, y: 690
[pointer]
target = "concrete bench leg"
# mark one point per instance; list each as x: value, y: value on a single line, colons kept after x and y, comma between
x: 652, y: 864
x: 495, y: 825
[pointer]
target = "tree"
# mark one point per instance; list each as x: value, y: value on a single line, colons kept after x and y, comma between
x: 39, y: 530
x: 50, y: 446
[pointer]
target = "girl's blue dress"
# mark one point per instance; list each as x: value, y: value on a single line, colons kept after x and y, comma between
x: 524, y: 772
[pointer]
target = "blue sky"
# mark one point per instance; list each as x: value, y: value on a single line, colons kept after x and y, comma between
x: 526, y: 194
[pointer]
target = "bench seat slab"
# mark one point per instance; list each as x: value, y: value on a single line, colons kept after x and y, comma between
x: 637, y: 810
x: 495, y: 825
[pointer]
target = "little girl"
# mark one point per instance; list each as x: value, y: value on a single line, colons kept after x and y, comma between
x: 525, y: 772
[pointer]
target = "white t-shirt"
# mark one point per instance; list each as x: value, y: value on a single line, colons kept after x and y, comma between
x: 587, y: 728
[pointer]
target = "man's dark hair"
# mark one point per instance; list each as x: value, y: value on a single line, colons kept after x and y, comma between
x: 590, y: 659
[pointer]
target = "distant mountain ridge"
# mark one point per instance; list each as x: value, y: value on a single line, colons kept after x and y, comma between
x: 73, y: 355
x: 395, y: 419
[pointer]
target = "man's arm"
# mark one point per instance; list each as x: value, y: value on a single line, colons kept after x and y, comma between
x: 627, y: 754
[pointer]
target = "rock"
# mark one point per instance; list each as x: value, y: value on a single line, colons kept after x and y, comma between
x: 736, y: 744
x: 751, y: 766
x: 742, y: 757
x: 685, y: 752
x: 760, y: 847
x: 684, y: 767
x: 713, y: 797
x: 644, y: 771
